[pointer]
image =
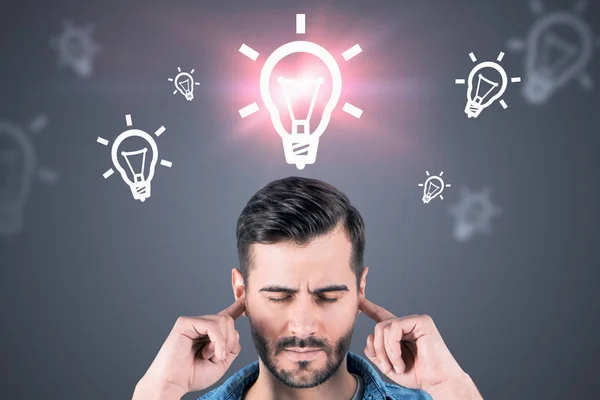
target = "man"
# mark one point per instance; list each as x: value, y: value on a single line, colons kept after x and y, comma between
x: 301, y: 283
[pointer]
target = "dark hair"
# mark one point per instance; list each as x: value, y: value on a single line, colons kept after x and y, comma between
x: 298, y: 209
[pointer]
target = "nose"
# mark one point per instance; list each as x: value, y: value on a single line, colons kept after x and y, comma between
x: 303, y: 318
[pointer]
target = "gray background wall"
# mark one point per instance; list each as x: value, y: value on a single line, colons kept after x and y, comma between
x: 92, y: 286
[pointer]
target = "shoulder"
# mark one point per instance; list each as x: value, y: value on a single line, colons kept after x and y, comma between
x: 234, y: 386
x: 398, y: 392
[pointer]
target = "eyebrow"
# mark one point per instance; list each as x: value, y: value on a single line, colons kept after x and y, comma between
x: 324, y: 289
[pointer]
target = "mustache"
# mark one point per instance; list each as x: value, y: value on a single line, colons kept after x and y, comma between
x: 310, y: 342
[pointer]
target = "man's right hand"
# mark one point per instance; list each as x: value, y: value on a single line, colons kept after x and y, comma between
x: 195, y: 355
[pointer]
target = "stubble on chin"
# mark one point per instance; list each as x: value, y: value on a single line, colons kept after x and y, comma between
x: 267, y: 353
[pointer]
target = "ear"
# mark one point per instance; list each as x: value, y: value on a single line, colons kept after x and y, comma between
x: 363, y: 285
x: 237, y: 284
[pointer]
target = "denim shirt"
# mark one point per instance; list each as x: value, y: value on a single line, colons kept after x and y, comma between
x: 375, y: 387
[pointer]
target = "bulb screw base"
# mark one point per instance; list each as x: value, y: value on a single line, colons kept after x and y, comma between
x: 473, y: 109
x: 300, y: 149
x: 140, y: 191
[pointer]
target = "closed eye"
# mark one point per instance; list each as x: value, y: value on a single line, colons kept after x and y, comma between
x: 319, y: 298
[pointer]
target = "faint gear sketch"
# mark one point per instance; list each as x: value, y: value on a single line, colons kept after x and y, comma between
x: 76, y: 48
x: 473, y: 213
x: 18, y: 166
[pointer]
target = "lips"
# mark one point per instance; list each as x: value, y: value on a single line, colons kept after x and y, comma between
x: 302, y: 350
x: 303, y: 354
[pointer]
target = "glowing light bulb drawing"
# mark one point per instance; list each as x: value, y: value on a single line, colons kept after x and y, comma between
x: 301, y: 144
x: 184, y: 83
x: 135, y: 176
x: 486, y: 90
x: 298, y: 84
x: 76, y: 48
x: 433, y: 187
x: 18, y: 166
x: 558, y: 48
x: 473, y: 213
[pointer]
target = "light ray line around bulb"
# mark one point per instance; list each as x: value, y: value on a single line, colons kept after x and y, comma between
x: 503, y: 104
x: 300, y: 24
x: 515, y: 79
x: 472, y: 56
x: 516, y: 44
x: 108, y: 173
x: 352, y: 52
x: 352, y: 110
x: 500, y: 56
x: 585, y: 81
x: 460, y: 81
x: 160, y: 131
x: 248, y: 110
x: 248, y: 52
x: 102, y: 141
x: 128, y: 120
x: 38, y: 124
x: 166, y: 163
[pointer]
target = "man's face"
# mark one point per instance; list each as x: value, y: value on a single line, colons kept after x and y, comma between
x: 286, y: 310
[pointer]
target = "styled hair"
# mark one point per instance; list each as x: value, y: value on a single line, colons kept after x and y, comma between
x: 299, y: 210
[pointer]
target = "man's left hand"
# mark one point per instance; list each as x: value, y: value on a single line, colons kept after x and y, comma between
x: 411, y: 352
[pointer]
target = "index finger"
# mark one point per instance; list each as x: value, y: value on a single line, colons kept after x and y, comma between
x: 236, y: 309
x: 373, y: 311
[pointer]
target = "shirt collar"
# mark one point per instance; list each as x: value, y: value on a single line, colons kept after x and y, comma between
x: 233, y: 387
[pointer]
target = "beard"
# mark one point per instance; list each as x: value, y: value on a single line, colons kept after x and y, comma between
x: 267, y: 352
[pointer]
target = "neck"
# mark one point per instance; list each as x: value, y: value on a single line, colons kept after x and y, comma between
x: 340, y: 386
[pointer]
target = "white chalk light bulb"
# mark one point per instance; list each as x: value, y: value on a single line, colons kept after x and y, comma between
x: 300, y: 148
x: 139, y: 183
x: 481, y: 98
x: 433, y: 187
x: 184, y: 82
x: 546, y: 73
